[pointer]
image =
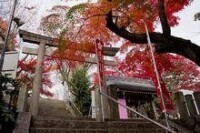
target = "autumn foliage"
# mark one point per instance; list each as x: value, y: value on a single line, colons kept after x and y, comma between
x: 12, y: 36
x: 121, y: 22
x: 26, y: 73
x: 177, y: 71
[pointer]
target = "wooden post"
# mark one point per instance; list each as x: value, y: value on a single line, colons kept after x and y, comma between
x: 37, y: 83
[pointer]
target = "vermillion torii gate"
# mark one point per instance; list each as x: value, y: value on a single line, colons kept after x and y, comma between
x: 44, y: 41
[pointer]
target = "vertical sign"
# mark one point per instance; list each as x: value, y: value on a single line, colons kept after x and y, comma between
x: 100, y: 105
x: 99, y: 53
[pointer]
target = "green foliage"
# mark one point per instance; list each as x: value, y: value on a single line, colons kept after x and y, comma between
x: 7, y: 112
x: 75, y: 9
x: 62, y: 42
x: 80, y: 88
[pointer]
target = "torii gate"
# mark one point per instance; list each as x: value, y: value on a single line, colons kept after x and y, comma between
x: 42, y: 41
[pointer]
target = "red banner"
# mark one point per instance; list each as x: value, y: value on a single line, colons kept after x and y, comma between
x: 166, y: 97
x: 100, y: 61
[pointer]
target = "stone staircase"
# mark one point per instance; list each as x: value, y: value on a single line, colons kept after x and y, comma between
x: 54, y: 117
x: 53, y: 107
x: 63, y: 124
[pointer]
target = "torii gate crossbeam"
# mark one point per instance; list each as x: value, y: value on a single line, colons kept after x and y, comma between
x: 37, y: 39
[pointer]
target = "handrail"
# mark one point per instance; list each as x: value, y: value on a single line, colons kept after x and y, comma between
x: 73, y: 104
x: 134, y: 111
x: 75, y: 107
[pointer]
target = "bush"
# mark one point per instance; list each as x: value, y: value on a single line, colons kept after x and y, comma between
x: 80, y: 89
x: 7, y: 110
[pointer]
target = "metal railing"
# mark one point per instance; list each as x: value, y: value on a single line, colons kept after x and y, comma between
x: 134, y: 111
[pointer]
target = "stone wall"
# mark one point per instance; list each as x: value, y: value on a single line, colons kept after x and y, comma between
x: 192, y: 123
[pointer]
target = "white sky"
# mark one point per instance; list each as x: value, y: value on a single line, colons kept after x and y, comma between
x: 188, y: 28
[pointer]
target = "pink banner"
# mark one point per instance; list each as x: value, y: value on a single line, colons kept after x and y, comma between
x: 123, y: 113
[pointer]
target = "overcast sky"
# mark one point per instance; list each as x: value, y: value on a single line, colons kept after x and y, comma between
x: 188, y: 28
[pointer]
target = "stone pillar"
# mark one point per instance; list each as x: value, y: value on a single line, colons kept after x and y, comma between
x: 105, y: 102
x: 197, y: 99
x: 22, y: 99
x: 93, y: 104
x: 114, y: 111
x: 181, y: 105
x: 98, y: 105
x: 191, y: 106
x: 37, y: 83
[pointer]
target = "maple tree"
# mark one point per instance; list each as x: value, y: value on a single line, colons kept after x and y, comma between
x: 118, y: 22
x: 125, y: 19
x: 122, y: 21
x: 53, y: 23
x: 12, y: 36
x: 164, y: 42
x: 177, y: 71
x: 26, y: 70
x: 69, y: 54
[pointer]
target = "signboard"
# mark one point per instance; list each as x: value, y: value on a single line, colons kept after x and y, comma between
x: 10, y: 63
x: 99, y: 53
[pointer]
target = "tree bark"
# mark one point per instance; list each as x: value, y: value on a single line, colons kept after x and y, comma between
x: 163, y: 18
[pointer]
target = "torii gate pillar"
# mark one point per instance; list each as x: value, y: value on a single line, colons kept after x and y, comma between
x: 37, y: 83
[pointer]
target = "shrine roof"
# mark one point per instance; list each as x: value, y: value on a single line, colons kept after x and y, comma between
x: 130, y: 84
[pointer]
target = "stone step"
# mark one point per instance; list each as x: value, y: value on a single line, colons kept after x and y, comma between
x: 59, y: 117
x: 128, y: 120
x: 75, y: 124
x: 64, y: 117
x: 116, y: 130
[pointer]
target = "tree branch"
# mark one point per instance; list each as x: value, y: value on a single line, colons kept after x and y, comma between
x: 162, y: 42
x: 163, y: 18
